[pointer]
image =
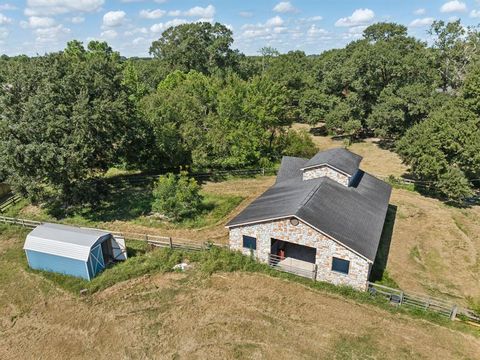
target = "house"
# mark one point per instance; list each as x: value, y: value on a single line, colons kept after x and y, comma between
x: 72, y: 251
x: 323, y: 216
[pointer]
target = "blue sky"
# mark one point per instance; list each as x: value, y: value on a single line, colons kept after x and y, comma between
x: 129, y: 26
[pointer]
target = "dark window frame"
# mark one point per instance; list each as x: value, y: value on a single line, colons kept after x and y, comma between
x: 340, y: 262
x: 251, y: 242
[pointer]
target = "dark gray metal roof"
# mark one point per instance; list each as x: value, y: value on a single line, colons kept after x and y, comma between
x: 352, y: 215
x: 340, y: 158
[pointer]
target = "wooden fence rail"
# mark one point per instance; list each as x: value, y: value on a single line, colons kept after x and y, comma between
x: 12, y: 199
x: 395, y: 296
x: 153, y: 240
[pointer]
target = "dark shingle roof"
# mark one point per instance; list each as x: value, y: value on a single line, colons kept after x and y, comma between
x: 352, y: 215
x: 341, y: 159
x: 290, y: 168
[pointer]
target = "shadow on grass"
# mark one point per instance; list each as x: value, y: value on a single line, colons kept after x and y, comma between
x: 378, y: 273
x: 125, y: 202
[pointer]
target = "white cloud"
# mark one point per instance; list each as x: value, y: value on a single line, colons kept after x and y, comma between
x: 152, y: 14
x: 453, y: 6
x: 275, y: 21
x: 5, y: 20
x: 475, y: 13
x: 198, y: 11
x: 284, y: 7
x: 315, y: 31
x: 53, y: 7
x: 3, y: 33
x: 139, y: 40
x: 38, y: 22
x: 51, y: 34
x: 77, y: 19
x: 420, y: 11
x: 8, y: 7
x: 358, y: 17
x: 315, y: 18
x: 114, y: 18
x: 135, y: 31
x: 156, y: 28
x: 109, y: 34
x: 422, y: 22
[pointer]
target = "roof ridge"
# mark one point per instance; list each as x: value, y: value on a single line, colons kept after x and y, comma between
x: 310, y: 194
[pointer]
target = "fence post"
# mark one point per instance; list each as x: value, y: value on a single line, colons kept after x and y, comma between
x: 401, y: 298
x: 146, y: 237
x: 263, y: 171
x: 453, y: 313
x: 171, y: 242
x: 315, y: 269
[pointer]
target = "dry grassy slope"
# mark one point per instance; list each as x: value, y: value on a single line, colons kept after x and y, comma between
x: 435, y: 248
x: 226, y: 316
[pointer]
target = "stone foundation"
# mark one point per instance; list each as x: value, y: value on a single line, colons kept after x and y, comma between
x: 303, y: 234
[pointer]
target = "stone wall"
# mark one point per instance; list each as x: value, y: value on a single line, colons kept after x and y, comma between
x: 303, y: 234
x: 324, y: 170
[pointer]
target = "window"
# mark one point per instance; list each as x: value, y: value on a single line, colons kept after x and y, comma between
x: 340, y: 265
x: 249, y: 242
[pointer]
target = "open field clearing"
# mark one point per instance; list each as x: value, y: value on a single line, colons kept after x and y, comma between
x: 195, y: 315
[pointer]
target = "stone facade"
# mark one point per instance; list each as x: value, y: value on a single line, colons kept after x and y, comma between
x: 327, y: 171
x: 303, y: 234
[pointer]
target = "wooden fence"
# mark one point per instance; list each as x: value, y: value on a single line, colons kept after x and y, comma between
x: 152, y: 240
x: 422, y: 302
x: 10, y: 200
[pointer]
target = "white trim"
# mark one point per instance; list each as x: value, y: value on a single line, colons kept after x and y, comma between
x: 327, y: 165
x: 303, y: 221
x: 86, y: 267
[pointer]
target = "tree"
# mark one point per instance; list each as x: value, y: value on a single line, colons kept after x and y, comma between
x: 197, y: 46
x: 445, y: 149
x: 64, y: 119
x: 454, y: 49
x: 398, y: 110
x: 176, y: 196
x: 384, y: 31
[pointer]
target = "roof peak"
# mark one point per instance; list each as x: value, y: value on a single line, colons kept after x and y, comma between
x: 339, y: 158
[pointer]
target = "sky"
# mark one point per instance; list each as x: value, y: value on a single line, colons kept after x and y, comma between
x: 129, y: 26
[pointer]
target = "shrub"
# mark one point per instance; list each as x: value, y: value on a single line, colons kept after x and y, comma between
x: 176, y: 196
x: 299, y: 143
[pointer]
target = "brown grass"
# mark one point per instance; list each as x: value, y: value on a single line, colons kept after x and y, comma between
x: 435, y: 248
x: 225, y: 316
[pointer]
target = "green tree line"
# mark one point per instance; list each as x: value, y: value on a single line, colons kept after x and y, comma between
x: 197, y: 103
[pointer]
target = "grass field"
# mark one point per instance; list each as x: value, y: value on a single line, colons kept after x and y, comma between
x: 204, y: 313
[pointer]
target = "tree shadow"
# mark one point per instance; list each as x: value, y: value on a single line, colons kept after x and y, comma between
x: 380, y: 263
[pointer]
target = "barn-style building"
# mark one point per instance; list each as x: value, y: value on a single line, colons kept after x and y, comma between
x: 323, y: 216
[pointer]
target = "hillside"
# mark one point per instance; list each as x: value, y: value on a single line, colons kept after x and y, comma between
x: 189, y: 315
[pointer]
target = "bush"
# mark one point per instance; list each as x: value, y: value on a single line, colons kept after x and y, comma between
x: 176, y: 197
x: 299, y: 143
